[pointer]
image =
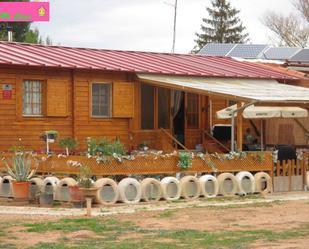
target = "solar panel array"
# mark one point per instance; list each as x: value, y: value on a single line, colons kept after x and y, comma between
x: 301, y: 56
x: 248, y: 51
x: 256, y: 51
x: 280, y: 53
x: 217, y: 49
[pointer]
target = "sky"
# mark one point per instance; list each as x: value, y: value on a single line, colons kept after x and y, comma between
x: 145, y: 25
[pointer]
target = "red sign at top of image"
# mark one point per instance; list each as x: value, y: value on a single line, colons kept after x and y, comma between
x: 24, y: 11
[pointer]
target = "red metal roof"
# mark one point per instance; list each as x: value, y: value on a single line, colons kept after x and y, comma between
x: 131, y: 61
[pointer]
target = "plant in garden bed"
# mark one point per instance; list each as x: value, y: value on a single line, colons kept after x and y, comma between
x: 20, y: 170
x: 68, y: 144
x: 185, y: 160
x: 104, y: 149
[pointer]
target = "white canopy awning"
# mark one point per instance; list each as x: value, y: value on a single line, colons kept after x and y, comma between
x: 260, y: 90
x: 264, y: 112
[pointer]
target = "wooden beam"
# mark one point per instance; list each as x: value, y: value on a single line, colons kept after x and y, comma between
x: 239, y: 127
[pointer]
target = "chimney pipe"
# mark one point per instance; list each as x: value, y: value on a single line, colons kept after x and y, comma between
x: 10, y: 33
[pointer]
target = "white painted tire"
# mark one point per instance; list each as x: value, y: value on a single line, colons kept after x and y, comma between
x: 62, y: 190
x: 125, y: 185
x: 102, y: 196
x: 260, y: 179
x: 186, y: 189
x: 167, y: 183
x: 203, y: 180
x: 35, y: 188
x: 151, y: 189
x: 6, y: 189
x: 242, y: 188
x: 52, y: 181
x: 222, y: 180
x: 307, y: 180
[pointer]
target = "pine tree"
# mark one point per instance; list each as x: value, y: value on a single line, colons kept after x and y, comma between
x: 222, y: 26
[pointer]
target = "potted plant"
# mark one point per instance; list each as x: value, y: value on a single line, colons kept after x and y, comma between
x: 50, y: 136
x: 68, y: 143
x: 21, y: 172
x: 85, y: 182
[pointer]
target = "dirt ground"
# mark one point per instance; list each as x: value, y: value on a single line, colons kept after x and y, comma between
x: 277, y: 217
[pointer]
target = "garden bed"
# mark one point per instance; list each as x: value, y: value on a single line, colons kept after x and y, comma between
x: 153, y: 164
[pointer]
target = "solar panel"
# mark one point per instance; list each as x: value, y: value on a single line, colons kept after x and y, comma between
x: 216, y: 49
x: 247, y: 51
x: 280, y: 53
x: 301, y: 56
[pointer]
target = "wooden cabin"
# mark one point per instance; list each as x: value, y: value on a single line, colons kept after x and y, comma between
x: 84, y: 93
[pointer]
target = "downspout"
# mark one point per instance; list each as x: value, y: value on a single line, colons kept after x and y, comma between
x: 233, y: 122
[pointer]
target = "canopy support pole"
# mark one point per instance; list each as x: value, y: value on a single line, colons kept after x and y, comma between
x: 262, y: 134
x: 239, y: 128
x: 241, y: 108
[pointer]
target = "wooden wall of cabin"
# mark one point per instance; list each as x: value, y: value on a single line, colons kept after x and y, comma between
x: 15, y: 129
x: 58, y: 110
x: 117, y: 125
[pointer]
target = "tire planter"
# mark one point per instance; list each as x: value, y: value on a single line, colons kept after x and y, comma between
x: 130, y: 190
x: 190, y: 187
x: 6, y: 189
x: 228, y: 184
x: 21, y: 190
x: 171, y: 189
x: 36, y: 184
x: 263, y: 183
x: 63, y: 189
x: 151, y: 189
x: 209, y: 186
x: 48, y: 190
x: 108, y: 191
x: 246, y: 182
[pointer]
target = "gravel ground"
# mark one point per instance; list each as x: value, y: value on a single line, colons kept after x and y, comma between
x: 155, y: 206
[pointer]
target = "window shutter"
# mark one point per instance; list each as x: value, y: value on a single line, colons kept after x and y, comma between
x: 123, y: 100
x: 57, y: 98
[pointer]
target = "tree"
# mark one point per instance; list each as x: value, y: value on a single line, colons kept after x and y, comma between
x: 33, y: 36
x: 291, y: 30
x: 222, y: 26
x: 303, y: 7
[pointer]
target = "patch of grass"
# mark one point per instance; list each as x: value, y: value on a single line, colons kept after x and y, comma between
x: 166, y: 213
x: 71, y: 225
x: 254, y: 205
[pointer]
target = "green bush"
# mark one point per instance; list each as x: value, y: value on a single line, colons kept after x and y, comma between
x: 104, y: 147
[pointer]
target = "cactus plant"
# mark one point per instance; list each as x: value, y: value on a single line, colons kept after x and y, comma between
x: 21, y: 168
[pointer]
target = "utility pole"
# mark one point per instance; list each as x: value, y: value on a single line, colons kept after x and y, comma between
x: 175, y: 21
x: 174, y: 30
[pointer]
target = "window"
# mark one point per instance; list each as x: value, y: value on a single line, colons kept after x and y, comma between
x: 163, y: 108
x: 32, y: 98
x: 147, y: 107
x: 192, y: 111
x: 101, y: 100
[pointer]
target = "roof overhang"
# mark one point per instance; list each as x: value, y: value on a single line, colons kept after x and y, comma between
x: 248, y: 90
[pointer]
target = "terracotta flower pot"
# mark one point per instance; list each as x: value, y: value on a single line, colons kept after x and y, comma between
x: 21, y: 190
x: 76, y: 194
x: 89, y: 192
